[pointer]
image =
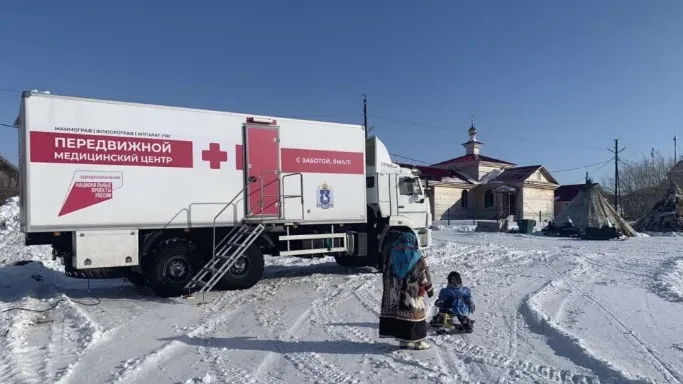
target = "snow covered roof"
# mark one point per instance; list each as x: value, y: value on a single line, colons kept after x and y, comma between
x: 520, y: 174
x: 440, y: 174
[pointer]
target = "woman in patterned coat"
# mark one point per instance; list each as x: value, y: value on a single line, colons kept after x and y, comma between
x: 406, y: 281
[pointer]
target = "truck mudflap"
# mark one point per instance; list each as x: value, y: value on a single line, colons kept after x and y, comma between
x: 95, y: 273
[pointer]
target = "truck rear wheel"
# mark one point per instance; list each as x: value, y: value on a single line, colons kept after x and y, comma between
x: 173, y: 264
x: 246, y: 272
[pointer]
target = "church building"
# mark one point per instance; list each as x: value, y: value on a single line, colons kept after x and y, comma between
x: 475, y: 186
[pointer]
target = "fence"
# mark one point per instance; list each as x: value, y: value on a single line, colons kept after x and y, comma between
x: 475, y: 216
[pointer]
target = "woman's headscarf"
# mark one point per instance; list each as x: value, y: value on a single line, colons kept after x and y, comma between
x: 404, y: 254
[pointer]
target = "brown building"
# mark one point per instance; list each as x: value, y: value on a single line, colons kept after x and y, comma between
x: 9, y: 179
x: 565, y: 194
x: 474, y: 186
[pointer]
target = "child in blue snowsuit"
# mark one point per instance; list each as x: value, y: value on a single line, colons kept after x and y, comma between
x: 456, y: 299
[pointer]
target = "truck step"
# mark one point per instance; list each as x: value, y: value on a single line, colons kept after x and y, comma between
x: 211, y: 269
x: 234, y: 244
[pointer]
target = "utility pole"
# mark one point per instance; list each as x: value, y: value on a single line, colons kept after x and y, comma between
x: 365, y: 115
x: 616, y: 152
x: 675, y: 154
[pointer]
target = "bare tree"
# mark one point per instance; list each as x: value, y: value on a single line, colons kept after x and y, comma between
x: 642, y: 183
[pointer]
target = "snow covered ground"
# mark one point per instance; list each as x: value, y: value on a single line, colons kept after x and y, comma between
x: 548, y: 310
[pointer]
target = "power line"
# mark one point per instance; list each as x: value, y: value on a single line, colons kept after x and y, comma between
x: 584, y: 167
x: 602, y: 165
x: 8, y: 126
x: 557, y: 171
x: 411, y: 159
x: 10, y: 90
x: 447, y: 129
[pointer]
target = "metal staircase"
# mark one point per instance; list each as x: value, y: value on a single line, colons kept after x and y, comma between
x: 225, y: 254
x: 234, y: 245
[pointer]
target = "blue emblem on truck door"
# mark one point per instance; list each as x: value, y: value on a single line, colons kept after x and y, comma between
x: 325, y: 197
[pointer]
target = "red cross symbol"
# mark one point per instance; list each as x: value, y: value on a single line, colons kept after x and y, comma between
x: 214, y: 156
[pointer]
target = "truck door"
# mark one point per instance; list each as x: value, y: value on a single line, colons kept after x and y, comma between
x: 262, y: 153
x: 411, y: 200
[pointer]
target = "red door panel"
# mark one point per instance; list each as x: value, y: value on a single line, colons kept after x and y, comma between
x: 263, y: 158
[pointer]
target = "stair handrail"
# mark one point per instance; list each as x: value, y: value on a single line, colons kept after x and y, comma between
x: 284, y: 196
x: 250, y: 180
x: 281, y: 196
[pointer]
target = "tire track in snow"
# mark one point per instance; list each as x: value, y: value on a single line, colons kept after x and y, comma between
x: 516, y: 368
x: 644, y: 270
x: 75, y: 334
x: 310, y: 364
x: 668, y: 369
x: 215, y: 360
x: 367, y: 299
x: 303, y: 361
x: 19, y: 363
x: 512, y: 322
x: 44, y: 347
x: 461, y: 351
x: 242, y: 376
x: 271, y: 357
x: 441, y: 374
x: 678, y: 348
x: 482, y: 258
x: 214, y: 314
x: 328, y: 314
x: 268, y: 319
x: 666, y: 366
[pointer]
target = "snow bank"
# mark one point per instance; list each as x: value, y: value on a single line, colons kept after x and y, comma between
x: 669, y: 280
x: 661, y: 234
x: 12, y: 248
x: 455, y: 226
x: 26, y: 273
x: 9, y: 215
x: 467, y: 226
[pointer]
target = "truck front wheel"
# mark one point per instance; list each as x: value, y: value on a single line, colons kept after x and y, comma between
x: 353, y: 261
x: 246, y: 272
x: 173, y: 264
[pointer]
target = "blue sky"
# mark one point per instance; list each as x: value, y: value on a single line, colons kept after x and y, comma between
x: 550, y: 82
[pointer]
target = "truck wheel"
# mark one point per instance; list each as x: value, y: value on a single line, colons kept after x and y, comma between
x: 136, y: 279
x: 353, y: 261
x: 173, y: 264
x: 246, y: 272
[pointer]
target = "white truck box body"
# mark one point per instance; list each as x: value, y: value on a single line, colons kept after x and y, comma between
x: 92, y: 164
